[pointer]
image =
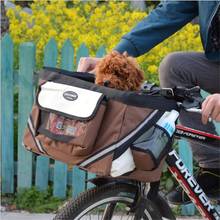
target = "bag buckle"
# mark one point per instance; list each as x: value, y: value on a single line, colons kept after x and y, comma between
x: 167, y: 92
x: 147, y: 87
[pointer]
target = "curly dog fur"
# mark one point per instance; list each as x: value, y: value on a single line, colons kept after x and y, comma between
x: 120, y: 71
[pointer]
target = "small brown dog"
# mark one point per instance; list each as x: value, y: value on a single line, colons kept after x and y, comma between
x: 119, y: 71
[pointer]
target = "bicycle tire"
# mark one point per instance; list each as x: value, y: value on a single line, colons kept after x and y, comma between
x: 106, y: 194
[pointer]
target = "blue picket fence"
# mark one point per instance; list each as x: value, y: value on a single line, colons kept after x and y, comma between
x: 41, y: 170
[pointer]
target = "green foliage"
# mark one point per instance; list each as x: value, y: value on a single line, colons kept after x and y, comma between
x: 176, y: 210
x: 167, y: 181
x: 7, y: 200
x: 98, y: 23
x: 36, y: 201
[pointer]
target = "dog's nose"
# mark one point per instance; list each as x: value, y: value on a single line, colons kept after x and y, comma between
x: 106, y: 83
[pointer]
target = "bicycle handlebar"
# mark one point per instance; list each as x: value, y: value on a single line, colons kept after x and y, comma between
x: 188, y: 99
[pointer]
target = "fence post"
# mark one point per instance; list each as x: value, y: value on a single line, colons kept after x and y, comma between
x: 26, y: 68
x: 82, y: 52
x: 67, y: 56
x: 187, y: 157
x: 101, y: 52
x: 42, y: 163
x: 79, y: 176
x: 7, y: 115
x: 60, y: 169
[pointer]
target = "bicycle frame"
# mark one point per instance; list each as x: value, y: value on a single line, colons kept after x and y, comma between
x: 189, y: 133
x: 186, y: 179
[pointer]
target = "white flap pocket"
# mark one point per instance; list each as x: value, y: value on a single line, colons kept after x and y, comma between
x: 73, y: 101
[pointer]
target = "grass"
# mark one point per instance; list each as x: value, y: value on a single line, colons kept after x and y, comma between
x: 32, y: 200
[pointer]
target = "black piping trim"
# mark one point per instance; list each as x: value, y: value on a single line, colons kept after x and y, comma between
x: 30, y: 150
x: 56, y: 137
x: 32, y: 122
x: 128, y: 173
x: 101, y: 157
x: 33, y: 137
x: 119, y: 151
x: 115, y: 153
x: 43, y: 148
x: 80, y: 75
x: 163, y: 129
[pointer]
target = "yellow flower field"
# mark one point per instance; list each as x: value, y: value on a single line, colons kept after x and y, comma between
x: 94, y: 24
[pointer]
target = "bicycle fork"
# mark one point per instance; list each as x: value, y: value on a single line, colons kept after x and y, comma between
x: 191, y: 187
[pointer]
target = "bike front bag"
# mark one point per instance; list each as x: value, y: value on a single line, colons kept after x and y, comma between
x: 80, y: 123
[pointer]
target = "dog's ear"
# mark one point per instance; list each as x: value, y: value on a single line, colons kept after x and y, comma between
x: 125, y: 54
x: 113, y: 53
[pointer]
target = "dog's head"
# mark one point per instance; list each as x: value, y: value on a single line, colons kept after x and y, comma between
x: 119, y: 71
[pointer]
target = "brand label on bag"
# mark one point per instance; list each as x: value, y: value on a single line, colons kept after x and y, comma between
x: 64, y: 126
x: 70, y: 95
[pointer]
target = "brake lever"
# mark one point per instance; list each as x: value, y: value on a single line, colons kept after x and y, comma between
x: 195, y: 110
x: 192, y: 110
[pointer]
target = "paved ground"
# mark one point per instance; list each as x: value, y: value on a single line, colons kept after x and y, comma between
x: 25, y: 216
x: 28, y: 216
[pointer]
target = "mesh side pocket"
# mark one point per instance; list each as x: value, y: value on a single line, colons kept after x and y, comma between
x: 149, y: 149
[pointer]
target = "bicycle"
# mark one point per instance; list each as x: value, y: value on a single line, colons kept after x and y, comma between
x: 114, y: 197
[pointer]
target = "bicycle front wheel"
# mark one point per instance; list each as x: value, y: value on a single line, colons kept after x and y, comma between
x: 108, y: 202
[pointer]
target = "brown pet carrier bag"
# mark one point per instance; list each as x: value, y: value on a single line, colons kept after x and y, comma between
x: 80, y: 123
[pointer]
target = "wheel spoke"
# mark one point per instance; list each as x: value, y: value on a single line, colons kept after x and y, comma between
x: 108, y: 212
x: 113, y: 210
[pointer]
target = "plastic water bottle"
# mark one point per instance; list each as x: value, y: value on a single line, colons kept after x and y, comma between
x: 167, y: 121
